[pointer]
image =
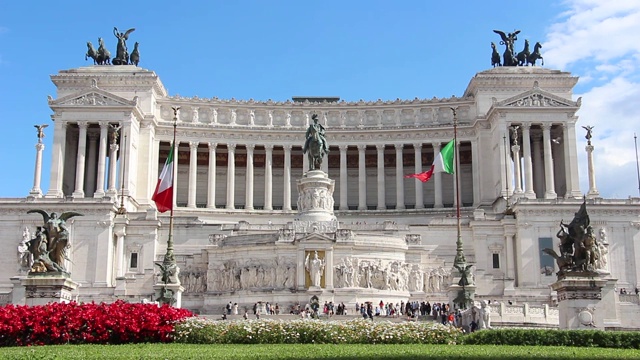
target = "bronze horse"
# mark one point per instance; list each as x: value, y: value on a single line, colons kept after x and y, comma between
x: 524, y: 54
x: 98, y: 58
x: 535, y: 55
x: 495, y: 56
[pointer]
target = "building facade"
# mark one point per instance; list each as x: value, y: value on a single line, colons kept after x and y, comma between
x: 239, y: 164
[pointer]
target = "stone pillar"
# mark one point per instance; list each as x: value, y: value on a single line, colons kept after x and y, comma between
x: 248, y: 199
x: 437, y: 180
x: 305, y: 163
x: 286, y: 203
x: 581, y: 304
x: 381, y: 187
x: 102, y: 160
x: 593, y: 192
x: 550, y: 192
x: 570, y: 151
x: 231, y: 176
x: 113, y: 160
x: 82, y: 148
x: 399, y: 177
x: 510, y: 261
x: 37, y: 175
x: 515, y: 150
x: 211, y: 185
x: 45, y: 289
x: 508, y: 168
x: 528, y: 166
x: 119, y: 230
x: 418, y: 169
x: 57, y: 160
x: 475, y: 168
x: 362, y: 178
x: 538, y: 168
x: 91, y: 163
x: 344, y: 203
x: 193, y: 173
x: 268, y: 177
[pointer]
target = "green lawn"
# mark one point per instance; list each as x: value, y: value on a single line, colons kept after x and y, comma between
x: 405, y: 352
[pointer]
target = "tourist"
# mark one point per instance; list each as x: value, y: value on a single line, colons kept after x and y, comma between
x: 235, y: 308
x: 229, y: 306
x: 246, y: 315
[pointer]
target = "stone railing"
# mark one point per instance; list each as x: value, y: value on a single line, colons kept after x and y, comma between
x: 629, y: 298
x: 525, y: 315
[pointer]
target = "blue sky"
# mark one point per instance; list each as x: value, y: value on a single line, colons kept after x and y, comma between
x: 351, y: 49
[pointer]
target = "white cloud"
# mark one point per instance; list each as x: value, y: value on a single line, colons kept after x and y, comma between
x: 597, y: 41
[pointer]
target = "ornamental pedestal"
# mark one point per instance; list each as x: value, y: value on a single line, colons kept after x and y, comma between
x: 315, y: 198
x: 41, y: 289
x: 169, y: 294
x: 586, y: 302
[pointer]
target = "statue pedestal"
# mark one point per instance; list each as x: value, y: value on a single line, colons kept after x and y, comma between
x: 41, y: 289
x: 455, y: 291
x: 164, y: 291
x: 586, y: 301
x: 315, y: 198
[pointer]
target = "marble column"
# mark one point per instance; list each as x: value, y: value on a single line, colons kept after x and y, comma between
x: 211, y: 185
x: 538, y: 168
x: 362, y: 178
x: 550, y: 192
x: 231, y: 176
x: 57, y: 160
x: 437, y: 180
x: 102, y: 160
x: 286, y: 203
x: 381, y: 187
x: 91, y: 162
x: 193, y: 173
x: 508, y: 167
x: 571, y: 159
x: 475, y: 168
x: 593, y: 192
x: 305, y: 164
x: 82, y: 148
x: 344, y: 203
x: 515, y: 151
x: 113, y: 160
x: 399, y: 177
x: 417, y: 147
x: 325, y: 163
x: 37, y: 175
x: 120, y: 232
x: 248, y: 199
x: 528, y: 165
x: 268, y: 177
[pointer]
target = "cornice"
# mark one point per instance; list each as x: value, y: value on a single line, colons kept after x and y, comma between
x: 177, y: 100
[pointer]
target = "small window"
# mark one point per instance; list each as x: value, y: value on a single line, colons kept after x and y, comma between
x: 496, y: 261
x: 133, y: 264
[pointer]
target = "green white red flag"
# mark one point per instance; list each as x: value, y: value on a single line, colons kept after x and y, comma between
x: 163, y: 195
x: 442, y: 163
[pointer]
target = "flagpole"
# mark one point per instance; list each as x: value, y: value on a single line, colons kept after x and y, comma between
x: 635, y: 140
x: 459, y: 259
x: 169, y: 257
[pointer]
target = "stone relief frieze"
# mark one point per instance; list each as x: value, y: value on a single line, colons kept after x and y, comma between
x: 217, y: 239
x: 193, y: 279
x: 413, y: 239
x: 394, y: 275
x: 308, y: 226
x: 93, y: 99
x: 315, y: 198
x: 252, y: 274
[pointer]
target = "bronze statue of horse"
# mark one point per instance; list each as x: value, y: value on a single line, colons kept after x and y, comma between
x: 535, y: 55
x: 104, y: 56
x: 91, y: 53
x: 495, y: 56
x: 314, y: 150
x: 524, y: 54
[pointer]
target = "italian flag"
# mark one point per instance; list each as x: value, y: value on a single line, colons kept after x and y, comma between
x: 442, y: 163
x: 163, y: 196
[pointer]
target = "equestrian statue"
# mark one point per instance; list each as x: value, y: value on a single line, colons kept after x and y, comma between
x: 510, y: 58
x: 315, y: 145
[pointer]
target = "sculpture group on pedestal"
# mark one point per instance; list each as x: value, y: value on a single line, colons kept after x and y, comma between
x: 580, y: 251
x: 47, y: 250
x: 315, y: 145
x: 102, y: 56
x: 510, y: 58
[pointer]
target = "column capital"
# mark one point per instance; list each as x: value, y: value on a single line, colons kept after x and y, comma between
x: 546, y: 126
x: 343, y: 147
x: 231, y: 147
x: 362, y: 147
x: 417, y: 146
x: 250, y: 147
x: 268, y: 147
x: 380, y: 147
x: 194, y: 145
x: 398, y: 147
x: 287, y: 147
x: 212, y: 145
x: 525, y: 125
x: 104, y: 125
x: 83, y: 124
x: 39, y: 146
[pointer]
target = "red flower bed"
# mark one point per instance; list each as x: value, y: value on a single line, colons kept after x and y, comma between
x: 59, y: 323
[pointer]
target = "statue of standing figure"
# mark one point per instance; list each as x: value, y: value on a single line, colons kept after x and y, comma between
x: 508, y: 40
x: 315, y: 267
x: 122, y: 54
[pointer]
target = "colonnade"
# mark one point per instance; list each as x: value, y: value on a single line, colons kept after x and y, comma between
x: 230, y: 201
